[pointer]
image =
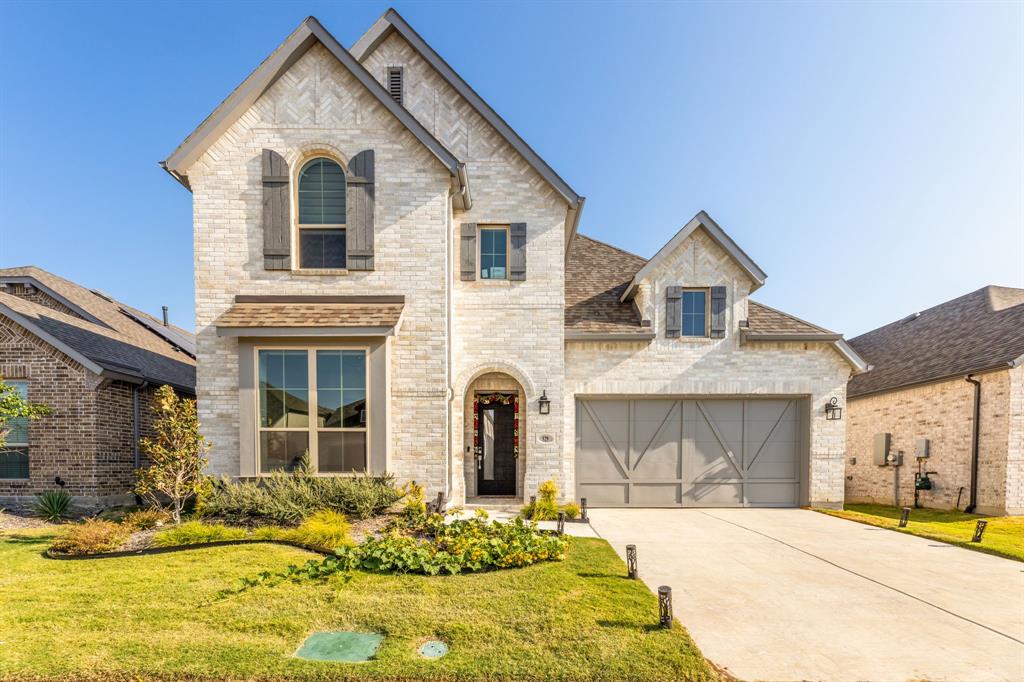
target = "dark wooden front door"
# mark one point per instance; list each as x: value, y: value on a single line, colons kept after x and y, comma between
x: 495, y: 462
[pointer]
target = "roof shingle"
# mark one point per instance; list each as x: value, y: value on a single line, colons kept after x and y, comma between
x: 117, y: 342
x: 311, y: 315
x: 596, y: 274
x: 979, y: 331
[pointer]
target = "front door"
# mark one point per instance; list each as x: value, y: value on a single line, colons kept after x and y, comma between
x: 495, y: 457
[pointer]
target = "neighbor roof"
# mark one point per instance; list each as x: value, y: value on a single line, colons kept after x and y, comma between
x: 977, y: 332
x: 105, y: 336
x: 309, y: 32
x: 315, y: 315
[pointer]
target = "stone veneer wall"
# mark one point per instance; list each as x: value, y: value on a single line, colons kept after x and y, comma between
x: 943, y: 412
x: 718, y: 367
x: 87, y: 440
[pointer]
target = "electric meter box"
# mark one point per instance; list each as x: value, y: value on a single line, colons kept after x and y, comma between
x: 922, y: 448
x: 882, y: 442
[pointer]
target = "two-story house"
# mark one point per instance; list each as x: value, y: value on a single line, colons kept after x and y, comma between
x: 390, y: 279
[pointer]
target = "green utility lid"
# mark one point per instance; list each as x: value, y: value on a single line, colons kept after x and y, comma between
x: 351, y: 647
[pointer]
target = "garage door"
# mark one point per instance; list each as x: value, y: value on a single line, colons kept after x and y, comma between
x: 689, y: 453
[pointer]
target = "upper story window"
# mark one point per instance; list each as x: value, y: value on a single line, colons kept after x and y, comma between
x: 493, y: 253
x: 14, y: 456
x: 321, y: 215
x: 695, y: 312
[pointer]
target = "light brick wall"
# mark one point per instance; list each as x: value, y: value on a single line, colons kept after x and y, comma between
x: 319, y: 105
x: 489, y: 318
x: 1015, y: 444
x: 715, y: 367
x: 943, y: 412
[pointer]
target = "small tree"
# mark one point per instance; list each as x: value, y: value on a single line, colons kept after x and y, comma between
x: 176, y: 454
x: 13, y: 406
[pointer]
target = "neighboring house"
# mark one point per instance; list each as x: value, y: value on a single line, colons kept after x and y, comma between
x: 390, y: 278
x: 933, y: 372
x: 96, y: 363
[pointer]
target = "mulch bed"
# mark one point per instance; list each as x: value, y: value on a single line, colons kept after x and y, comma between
x: 11, y: 519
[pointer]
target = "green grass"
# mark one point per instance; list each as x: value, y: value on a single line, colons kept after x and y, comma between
x: 1004, y: 535
x: 159, y: 617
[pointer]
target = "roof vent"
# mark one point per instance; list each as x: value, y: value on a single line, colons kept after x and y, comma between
x: 395, y: 83
x: 911, y: 317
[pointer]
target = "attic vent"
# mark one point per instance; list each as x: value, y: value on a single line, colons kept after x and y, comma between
x: 911, y: 317
x: 395, y: 83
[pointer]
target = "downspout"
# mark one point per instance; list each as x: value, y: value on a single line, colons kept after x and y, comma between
x: 136, y: 455
x: 975, y: 438
x: 449, y: 276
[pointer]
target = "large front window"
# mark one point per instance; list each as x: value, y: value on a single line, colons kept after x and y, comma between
x: 332, y: 380
x: 14, y: 454
x: 321, y: 215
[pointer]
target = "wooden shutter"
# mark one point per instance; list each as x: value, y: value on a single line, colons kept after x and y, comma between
x: 673, y: 311
x: 359, y: 203
x: 517, y: 253
x: 468, y: 252
x: 718, y: 312
x: 276, y: 212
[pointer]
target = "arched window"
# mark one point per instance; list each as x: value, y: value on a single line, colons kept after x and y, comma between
x: 321, y: 214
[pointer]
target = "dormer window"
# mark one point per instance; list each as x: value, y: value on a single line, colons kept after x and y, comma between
x: 395, y: 83
x: 321, y: 215
x: 695, y: 312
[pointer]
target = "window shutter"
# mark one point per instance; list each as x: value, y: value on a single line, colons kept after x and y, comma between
x: 276, y: 212
x: 468, y: 252
x: 718, y: 312
x: 359, y: 212
x: 517, y: 257
x: 673, y: 311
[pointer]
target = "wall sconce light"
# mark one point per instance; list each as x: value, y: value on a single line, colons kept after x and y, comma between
x: 832, y: 410
x: 544, y: 403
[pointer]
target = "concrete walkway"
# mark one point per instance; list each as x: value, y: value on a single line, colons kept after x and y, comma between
x: 791, y: 594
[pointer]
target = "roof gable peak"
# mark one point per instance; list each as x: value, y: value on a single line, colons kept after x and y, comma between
x: 718, y: 235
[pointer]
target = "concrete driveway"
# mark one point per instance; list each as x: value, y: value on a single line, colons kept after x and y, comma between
x: 790, y: 594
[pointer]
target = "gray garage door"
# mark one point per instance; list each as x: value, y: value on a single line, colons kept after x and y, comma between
x: 690, y: 453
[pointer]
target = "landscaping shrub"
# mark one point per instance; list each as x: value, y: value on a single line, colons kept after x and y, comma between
x: 461, y: 546
x: 197, y: 533
x: 90, y: 537
x: 146, y: 519
x: 52, y: 505
x: 291, y: 497
x: 325, y: 530
x: 572, y: 510
x: 546, y: 507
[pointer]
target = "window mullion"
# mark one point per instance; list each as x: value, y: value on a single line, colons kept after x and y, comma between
x: 314, y: 410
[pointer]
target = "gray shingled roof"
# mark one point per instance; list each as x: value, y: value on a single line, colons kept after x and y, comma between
x: 980, y: 331
x: 596, y: 274
x: 113, y: 338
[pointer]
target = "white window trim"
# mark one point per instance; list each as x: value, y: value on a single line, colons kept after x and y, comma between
x: 707, y: 313
x: 297, y: 227
x: 479, y: 251
x: 312, y: 429
x: 21, y: 446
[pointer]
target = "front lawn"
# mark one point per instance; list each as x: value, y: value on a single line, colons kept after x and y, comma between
x: 159, y: 616
x: 1004, y: 535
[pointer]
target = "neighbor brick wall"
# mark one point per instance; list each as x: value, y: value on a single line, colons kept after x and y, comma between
x: 87, y: 440
x: 943, y: 412
x: 42, y: 298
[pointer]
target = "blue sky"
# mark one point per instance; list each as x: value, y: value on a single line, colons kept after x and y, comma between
x: 868, y: 156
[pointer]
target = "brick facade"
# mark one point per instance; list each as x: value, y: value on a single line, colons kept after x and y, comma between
x: 87, y: 440
x: 943, y: 412
x: 456, y: 336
